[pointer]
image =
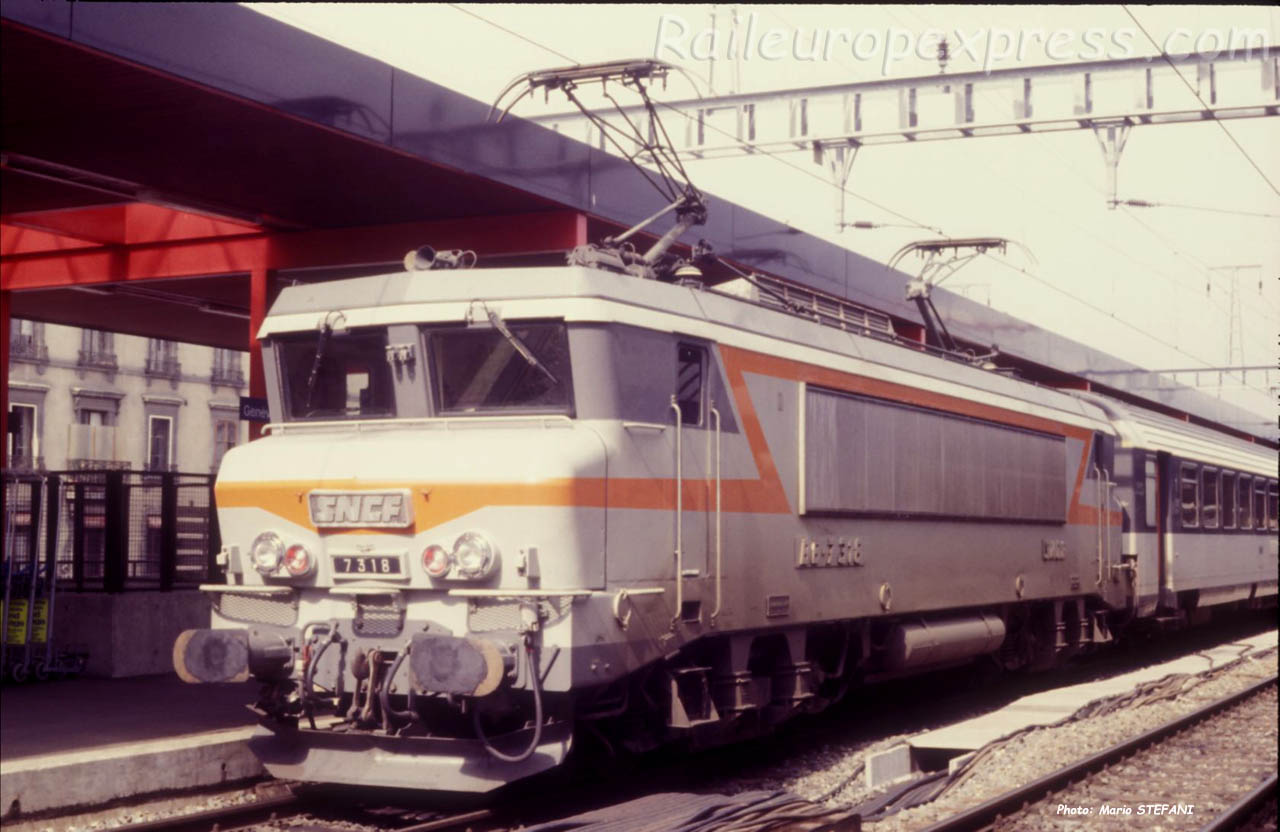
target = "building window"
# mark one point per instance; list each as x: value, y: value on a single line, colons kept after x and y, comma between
x: 91, y: 439
x: 691, y: 363
x: 162, y: 358
x: 1189, y: 495
x: 1228, y: 500
x: 159, y: 443
x: 23, y: 441
x: 225, y: 434
x: 226, y: 368
x: 1209, y: 499
x: 89, y: 416
x: 97, y: 349
x: 26, y: 341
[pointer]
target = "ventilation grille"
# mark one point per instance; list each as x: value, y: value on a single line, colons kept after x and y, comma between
x: 276, y: 610
x: 378, y: 616
x: 492, y: 616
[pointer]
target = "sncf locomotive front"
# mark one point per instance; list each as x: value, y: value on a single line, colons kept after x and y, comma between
x: 412, y: 551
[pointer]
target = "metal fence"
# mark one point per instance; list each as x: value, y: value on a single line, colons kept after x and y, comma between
x: 112, y: 531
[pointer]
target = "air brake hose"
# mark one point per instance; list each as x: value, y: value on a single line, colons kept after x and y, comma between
x: 385, y: 689
x: 537, y: 715
x: 308, y: 675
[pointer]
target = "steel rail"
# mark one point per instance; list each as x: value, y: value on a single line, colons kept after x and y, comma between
x: 447, y: 823
x: 984, y: 814
x: 1244, y: 808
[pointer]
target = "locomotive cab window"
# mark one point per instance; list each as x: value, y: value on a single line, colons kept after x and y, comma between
x: 515, y: 366
x: 691, y: 365
x: 1189, y: 495
x: 1209, y: 498
x: 1228, y: 500
x: 336, y: 376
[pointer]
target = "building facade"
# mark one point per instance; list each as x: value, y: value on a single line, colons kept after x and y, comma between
x: 83, y: 399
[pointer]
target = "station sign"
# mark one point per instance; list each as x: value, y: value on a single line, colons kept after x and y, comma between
x: 254, y: 409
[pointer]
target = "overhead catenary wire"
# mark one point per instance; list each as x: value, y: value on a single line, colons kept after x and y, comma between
x: 1083, y: 180
x: 1143, y: 203
x: 1203, y: 103
x: 828, y: 183
x: 513, y: 33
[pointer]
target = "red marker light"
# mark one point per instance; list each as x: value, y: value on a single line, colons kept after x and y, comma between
x: 297, y: 560
x: 436, y: 561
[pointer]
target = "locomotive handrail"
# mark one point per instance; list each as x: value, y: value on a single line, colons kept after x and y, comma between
x: 374, y: 589
x: 653, y: 426
x: 1105, y: 511
x: 679, y: 510
x: 715, y: 414
x: 623, y: 595
x: 524, y: 593
x: 1104, y: 539
x: 245, y: 589
x: 445, y: 422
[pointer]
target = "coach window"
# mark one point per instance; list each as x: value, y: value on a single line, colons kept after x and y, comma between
x: 1228, y: 500
x: 1151, y: 512
x: 691, y: 365
x: 1273, y: 505
x: 1189, y: 495
x: 1259, y: 503
x: 1246, y: 502
x: 1209, y: 498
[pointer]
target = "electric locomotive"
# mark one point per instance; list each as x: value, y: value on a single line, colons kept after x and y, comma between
x: 498, y: 511
x: 500, y: 508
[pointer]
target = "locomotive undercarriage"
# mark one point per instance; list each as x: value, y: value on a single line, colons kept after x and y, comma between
x: 331, y: 696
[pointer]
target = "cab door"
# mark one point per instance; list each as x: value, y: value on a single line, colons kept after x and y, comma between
x: 690, y: 410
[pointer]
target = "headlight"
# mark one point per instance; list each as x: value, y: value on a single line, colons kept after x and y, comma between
x: 267, y: 552
x: 298, y: 561
x: 474, y: 557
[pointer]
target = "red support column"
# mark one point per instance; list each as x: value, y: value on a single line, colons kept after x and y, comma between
x: 4, y: 375
x: 259, y: 279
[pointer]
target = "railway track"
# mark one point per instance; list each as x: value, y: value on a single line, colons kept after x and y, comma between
x: 310, y: 810
x: 1179, y: 775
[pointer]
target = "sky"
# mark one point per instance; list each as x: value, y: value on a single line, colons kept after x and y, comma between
x: 1144, y: 284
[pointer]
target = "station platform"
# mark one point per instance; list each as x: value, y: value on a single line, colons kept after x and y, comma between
x: 86, y: 742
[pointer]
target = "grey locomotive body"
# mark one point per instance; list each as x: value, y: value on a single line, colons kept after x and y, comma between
x: 501, y: 506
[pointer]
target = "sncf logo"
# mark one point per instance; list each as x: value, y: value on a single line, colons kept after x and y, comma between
x: 354, y: 509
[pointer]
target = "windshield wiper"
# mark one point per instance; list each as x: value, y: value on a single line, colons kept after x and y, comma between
x: 326, y: 329
x: 519, y: 346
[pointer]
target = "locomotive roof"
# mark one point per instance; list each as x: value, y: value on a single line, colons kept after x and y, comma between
x: 577, y: 293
